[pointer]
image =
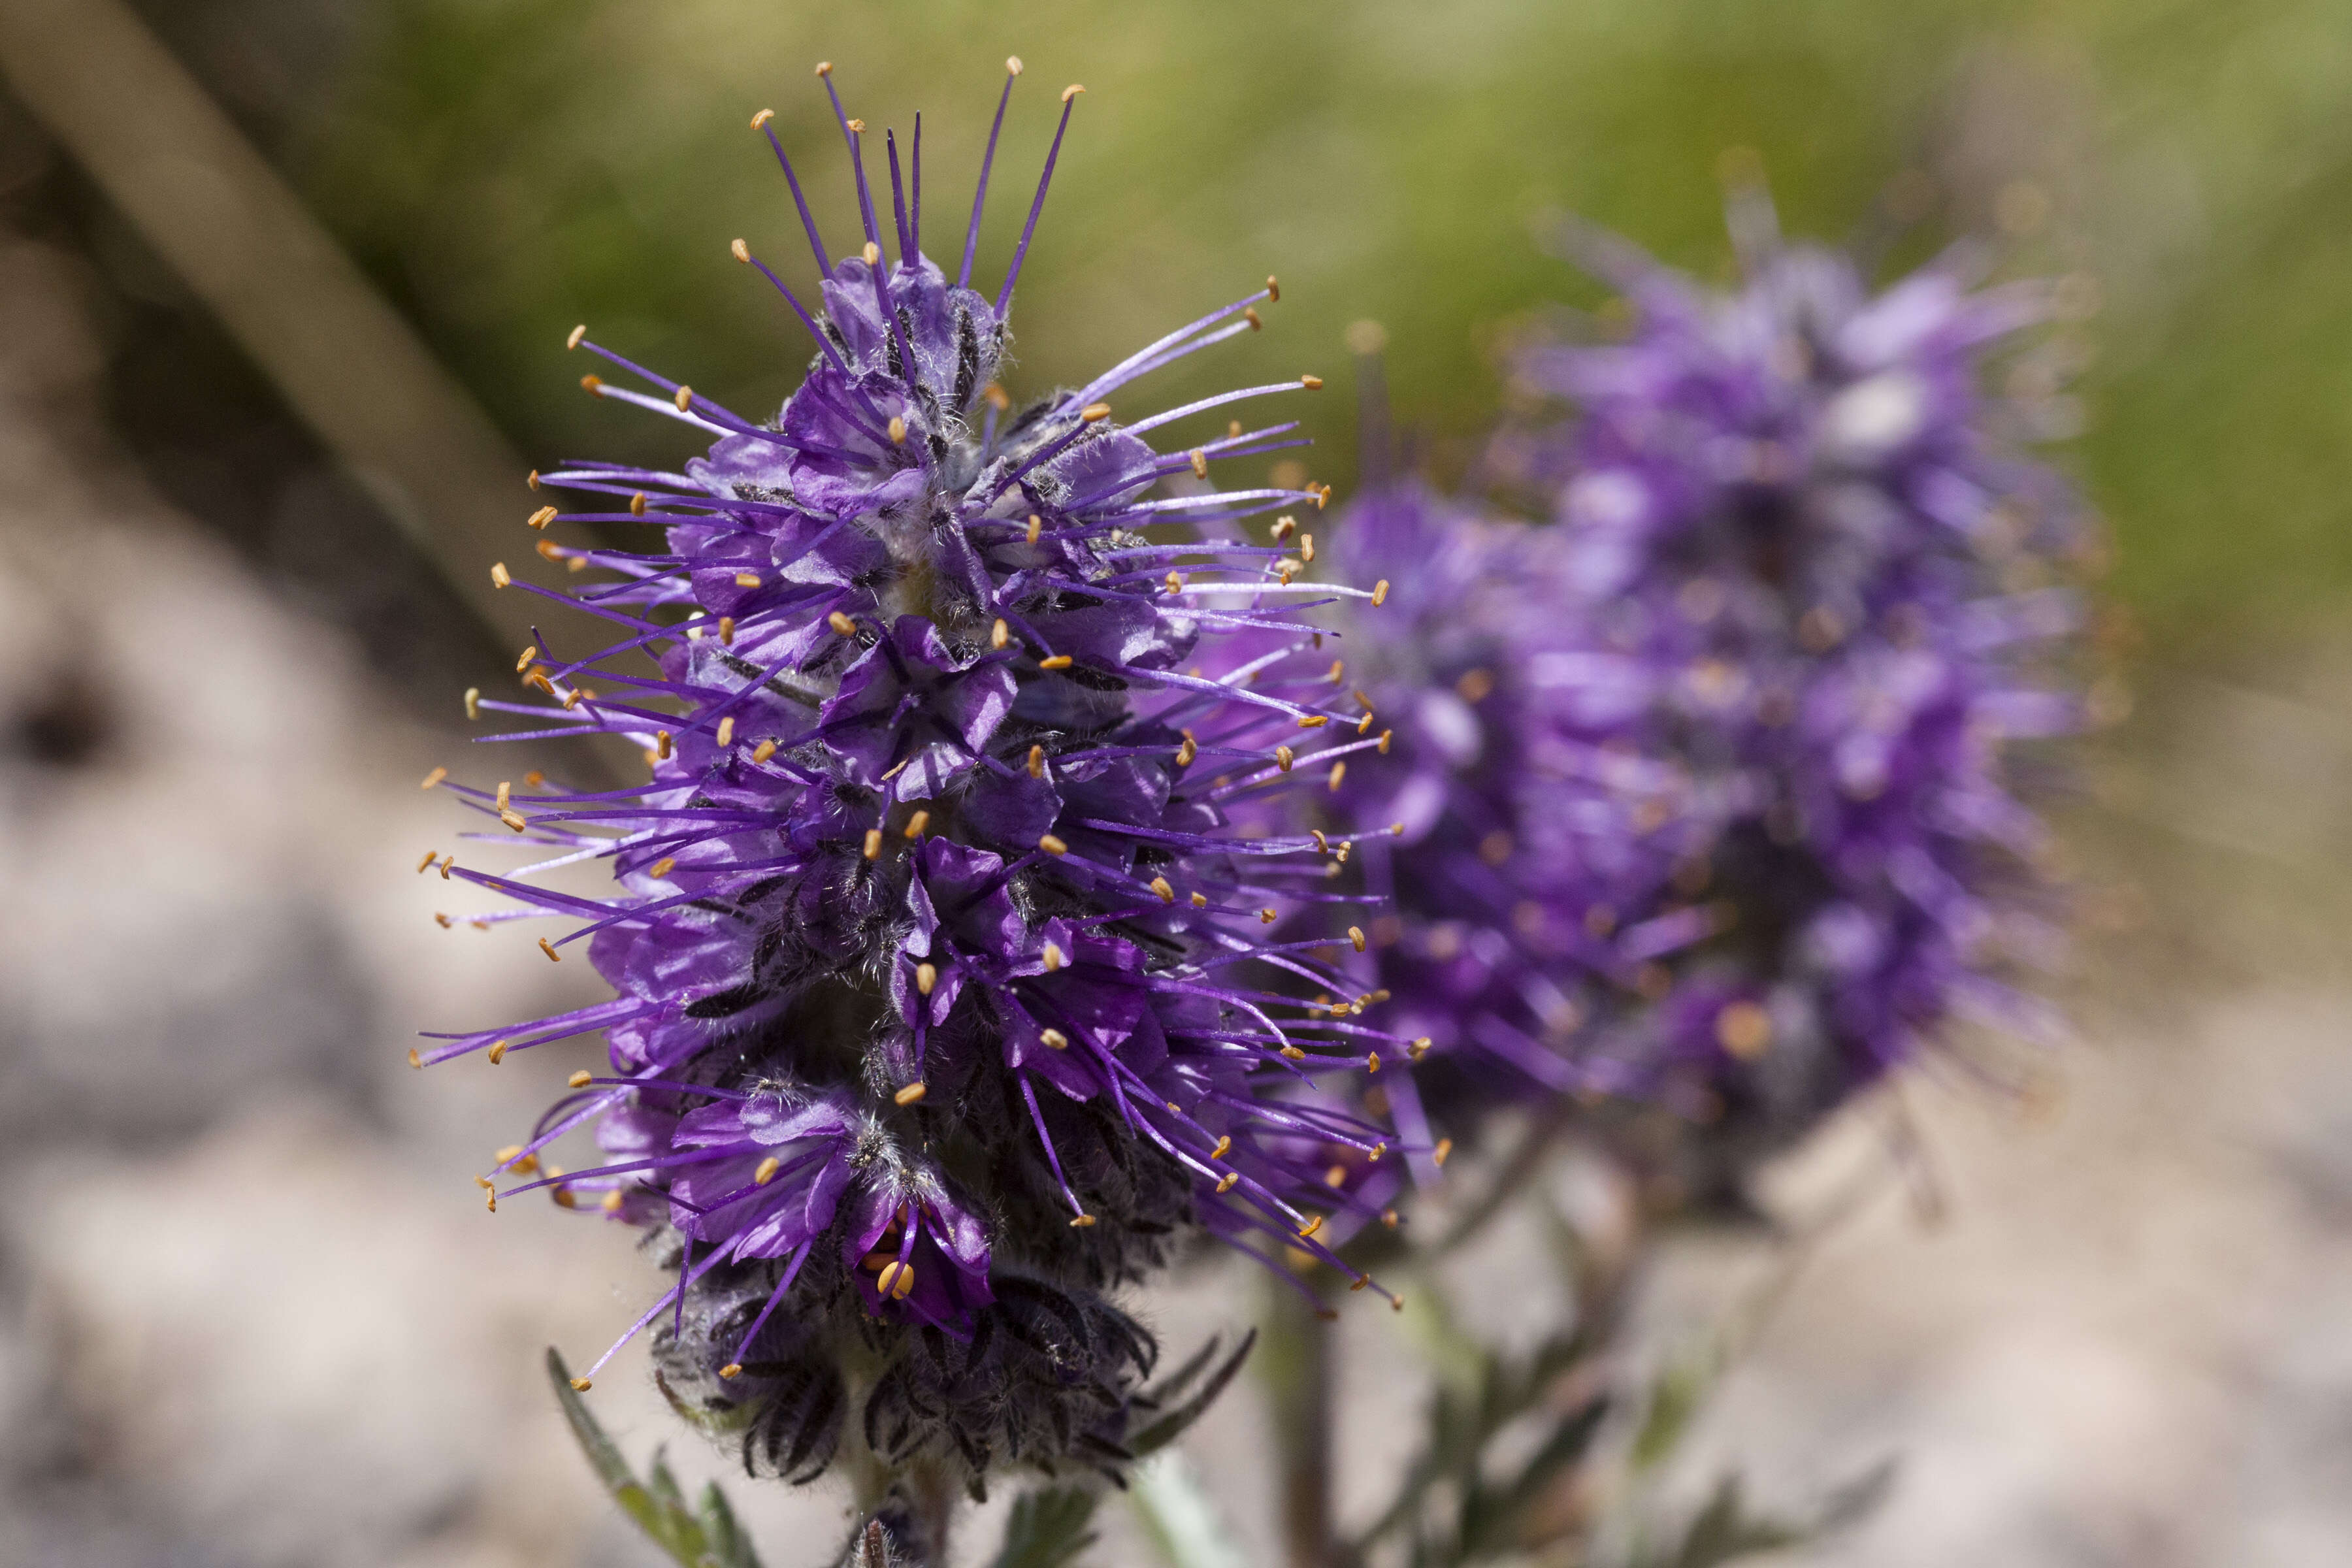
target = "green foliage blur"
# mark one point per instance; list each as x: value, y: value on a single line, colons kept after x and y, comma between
x: 509, y: 168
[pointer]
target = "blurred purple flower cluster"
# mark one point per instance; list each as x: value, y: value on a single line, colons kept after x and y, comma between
x: 1706, y: 787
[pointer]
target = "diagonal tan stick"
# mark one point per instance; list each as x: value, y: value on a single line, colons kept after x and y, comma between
x: 343, y: 360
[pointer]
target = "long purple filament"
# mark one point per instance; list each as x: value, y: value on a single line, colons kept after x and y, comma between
x: 979, y: 196
x: 1037, y: 207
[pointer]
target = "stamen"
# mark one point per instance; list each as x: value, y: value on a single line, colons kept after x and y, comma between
x: 927, y: 976
x: 873, y: 844
x: 1223, y: 1145
x: 662, y: 868
x: 1381, y: 592
x: 1339, y: 772
x: 1082, y: 1222
x: 578, y: 332
x: 1053, y: 846
x: 912, y: 1093
x: 1356, y: 938
x: 1161, y: 886
x: 682, y: 397
x: 915, y: 825
x: 1445, y: 1147
x: 1000, y: 633
x: 1036, y: 755
x: 1037, y: 525
x: 499, y: 578
x: 1311, y: 382
x: 727, y: 631
x: 1052, y: 958
x: 1056, y: 661
x: 1054, y: 1039
x: 842, y: 624
x: 763, y: 751
x: 541, y: 518
x: 497, y: 1052
x: 581, y: 1079
x: 765, y: 1170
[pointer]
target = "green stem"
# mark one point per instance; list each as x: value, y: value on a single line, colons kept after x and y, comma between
x: 1294, y: 1358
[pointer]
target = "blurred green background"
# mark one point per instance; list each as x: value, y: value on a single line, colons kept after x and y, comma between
x: 505, y: 168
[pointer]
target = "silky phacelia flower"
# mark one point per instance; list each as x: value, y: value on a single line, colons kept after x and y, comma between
x: 1708, y: 797
x: 944, y: 997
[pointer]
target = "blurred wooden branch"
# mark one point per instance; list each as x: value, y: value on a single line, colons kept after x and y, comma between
x: 345, y: 361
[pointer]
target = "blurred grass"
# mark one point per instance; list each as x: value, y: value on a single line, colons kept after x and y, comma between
x: 509, y: 168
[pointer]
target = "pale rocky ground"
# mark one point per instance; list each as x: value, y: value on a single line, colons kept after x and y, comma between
x: 252, y: 1312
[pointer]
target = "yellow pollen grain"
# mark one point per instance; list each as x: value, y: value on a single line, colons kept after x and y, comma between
x: 1445, y: 1147
x: 1161, y: 886
x: 1257, y: 324
x: 917, y: 822
x: 610, y: 1202
x: 506, y: 792
x: 841, y: 623
x: 1284, y: 526
x: 1175, y: 583
x: 1081, y: 1222
x: 1745, y: 1029
x: 1356, y: 938
x: 1055, y: 1040
x: 1337, y: 1176
x: 532, y: 478
x: 1273, y: 287
x: 414, y: 1058
x: 1419, y: 1048
x: 1095, y: 412
x: 873, y: 252
x: 1224, y: 1145
x: 727, y: 631
x: 637, y: 504
x: 1314, y: 721
x: 1058, y: 661
x: 765, y: 1171
x: 663, y: 866
x: 548, y: 948
x: 1053, y: 957
x: 727, y: 731
x: 578, y: 332
x: 898, y: 430
x: 425, y: 864
x: 541, y: 518
x: 581, y: 1078
x: 662, y: 745
x: 926, y: 977
x: 739, y: 251
x: 912, y: 1093
x: 444, y: 921
x: 1036, y: 527
x: 1307, y: 547
x: 1036, y: 761
x: 873, y: 844
x: 1000, y: 633
x: 1269, y: 916
x: 1339, y: 772
x: 592, y: 385
x: 1371, y: 1060
x: 732, y: 1370
x: 514, y: 820
x: 747, y: 579
x: 1200, y: 901
x: 1307, y: 1231
x: 497, y: 1052
x: 763, y: 751
x: 1188, y: 750
x: 1225, y: 1183
x: 1052, y: 845
x: 1283, y: 757
x: 1386, y: 736
x: 499, y: 578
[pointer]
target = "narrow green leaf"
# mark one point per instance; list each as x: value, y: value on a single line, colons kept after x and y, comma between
x: 1170, y: 1426
x: 729, y: 1544
x: 1048, y: 1528
x: 1178, y: 1515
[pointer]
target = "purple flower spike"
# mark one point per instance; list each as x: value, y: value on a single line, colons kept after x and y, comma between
x: 1704, y: 794
x: 947, y: 990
